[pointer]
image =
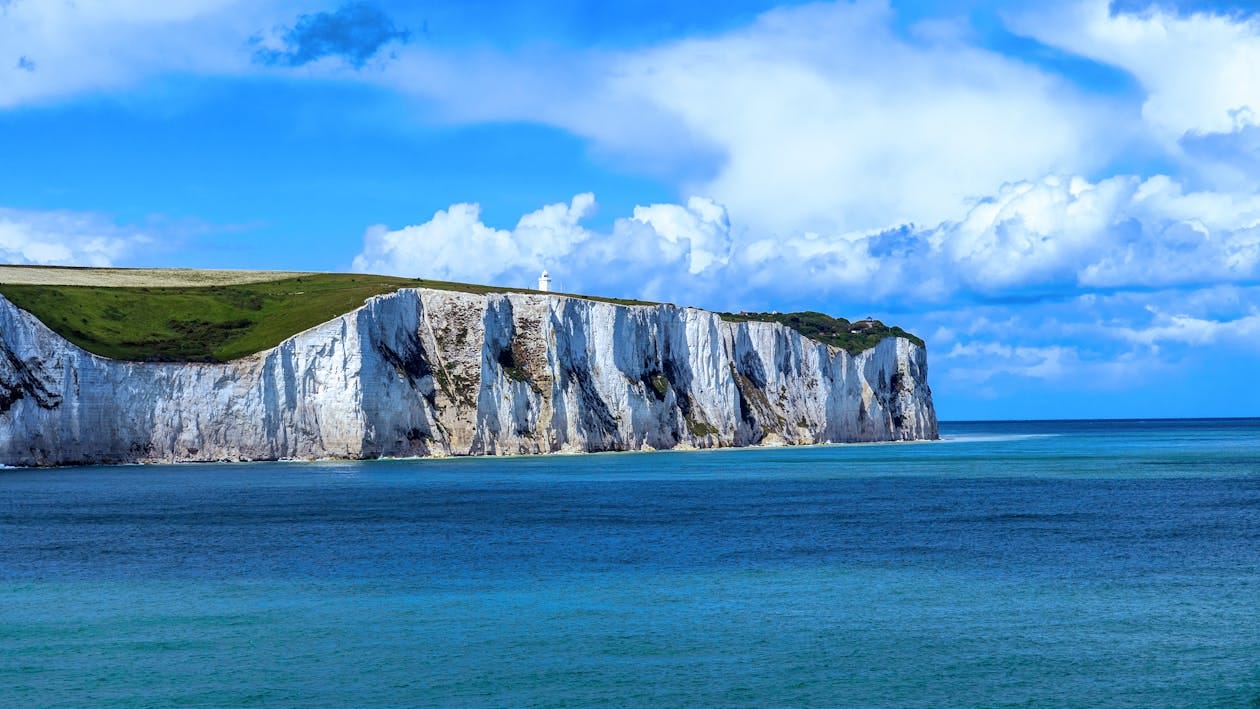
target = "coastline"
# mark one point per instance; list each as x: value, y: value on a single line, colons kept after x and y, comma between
x: 476, y: 456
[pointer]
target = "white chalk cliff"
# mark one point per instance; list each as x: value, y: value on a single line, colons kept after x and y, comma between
x: 434, y: 373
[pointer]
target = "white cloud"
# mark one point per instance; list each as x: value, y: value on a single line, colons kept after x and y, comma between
x: 64, y: 238
x: 999, y: 358
x: 1121, y: 231
x: 1032, y: 232
x: 1199, y: 74
x: 1201, y: 71
x: 1190, y: 330
x: 1057, y: 235
x: 701, y: 230
x: 976, y: 363
x: 661, y: 251
x: 836, y: 264
x: 456, y: 245
x: 1054, y: 235
x: 831, y: 122
x: 51, y: 49
x: 821, y: 117
x: 824, y: 119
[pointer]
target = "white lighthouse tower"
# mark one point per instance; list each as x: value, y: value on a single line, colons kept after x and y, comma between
x: 544, y: 282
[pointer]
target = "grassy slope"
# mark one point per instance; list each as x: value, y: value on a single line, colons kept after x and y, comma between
x: 854, y: 337
x: 241, y: 314
x: 194, y: 323
x: 200, y: 323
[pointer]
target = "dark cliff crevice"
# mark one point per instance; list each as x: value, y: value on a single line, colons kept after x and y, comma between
x: 18, y: 383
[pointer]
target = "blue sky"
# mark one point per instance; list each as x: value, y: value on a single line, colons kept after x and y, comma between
x: 1062, y: 198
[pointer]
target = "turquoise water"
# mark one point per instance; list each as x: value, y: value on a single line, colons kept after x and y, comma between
x: 1021, y: 564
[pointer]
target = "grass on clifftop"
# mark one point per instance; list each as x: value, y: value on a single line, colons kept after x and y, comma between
x: 195, y: 323
x: 853, y: 337
x: 178, y: 315
x: 236, y: 315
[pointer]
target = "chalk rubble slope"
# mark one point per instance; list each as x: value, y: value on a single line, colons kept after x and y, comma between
x: 437, y: 373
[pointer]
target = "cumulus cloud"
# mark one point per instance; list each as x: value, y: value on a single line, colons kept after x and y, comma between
x: 1121, y: 231
x: 456, y: 245
x: 1053, y: 236
x: 701, y: 230
x: 64, y: 239
x: 356, y: 31
x: 660, y: 251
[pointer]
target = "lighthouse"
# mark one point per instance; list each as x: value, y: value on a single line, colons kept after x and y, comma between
x: 544, y: 282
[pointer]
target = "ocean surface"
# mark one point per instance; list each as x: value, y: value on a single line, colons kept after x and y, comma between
x: 1012, y: 564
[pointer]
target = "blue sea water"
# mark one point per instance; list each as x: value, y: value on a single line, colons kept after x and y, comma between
x: 1011, y: 564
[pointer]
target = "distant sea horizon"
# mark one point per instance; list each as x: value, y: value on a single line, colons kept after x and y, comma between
x: 1122, y: 419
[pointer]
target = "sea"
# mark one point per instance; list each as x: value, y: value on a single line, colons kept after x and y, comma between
x: 1043, y: 564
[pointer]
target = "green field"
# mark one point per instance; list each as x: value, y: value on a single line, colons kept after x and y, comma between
x: 202, y: 323
x: 217, y: 316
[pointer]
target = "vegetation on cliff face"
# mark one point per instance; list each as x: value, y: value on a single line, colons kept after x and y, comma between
x: 853, y: 337
x: 217, y: 316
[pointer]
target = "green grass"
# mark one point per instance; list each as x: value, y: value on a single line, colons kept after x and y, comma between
x: 218, y: 323
x: 853, y: 337
x: 204, y: 323
x: 198, y: 323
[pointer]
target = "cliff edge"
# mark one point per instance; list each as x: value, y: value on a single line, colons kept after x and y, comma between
x: 423, y: 372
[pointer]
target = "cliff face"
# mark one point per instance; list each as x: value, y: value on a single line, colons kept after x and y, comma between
x: 425, y: 372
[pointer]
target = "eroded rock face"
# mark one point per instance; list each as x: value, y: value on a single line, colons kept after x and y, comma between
x: 435, y: 373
